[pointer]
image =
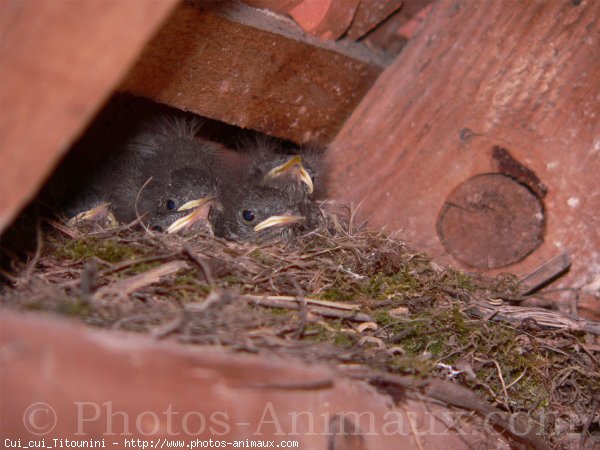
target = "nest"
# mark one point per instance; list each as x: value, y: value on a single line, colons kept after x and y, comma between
x: 360, y: 300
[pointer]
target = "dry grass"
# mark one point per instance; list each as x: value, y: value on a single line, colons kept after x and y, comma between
x: 393, y: 312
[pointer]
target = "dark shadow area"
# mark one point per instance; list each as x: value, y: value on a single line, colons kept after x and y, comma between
x: 122, y: 118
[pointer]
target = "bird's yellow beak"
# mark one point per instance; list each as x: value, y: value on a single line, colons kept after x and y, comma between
x: 201, y: 208
x: 275, y: 221
x: 293, y: 166
x: 102, y: 211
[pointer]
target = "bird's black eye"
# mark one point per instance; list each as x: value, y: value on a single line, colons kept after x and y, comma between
x: 248, y: 215
x: 170, y: 205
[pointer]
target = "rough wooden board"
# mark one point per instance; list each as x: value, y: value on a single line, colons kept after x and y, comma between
x: 478, y: 75
x: 391, y: 35
x: 278, y: 6
x: 121, y: 386
x: 250, y: 77
x: 325, y: 19
x: 333, y: 18
x: 544, y: 274
x: 370, y: 14
x: 59, y: 60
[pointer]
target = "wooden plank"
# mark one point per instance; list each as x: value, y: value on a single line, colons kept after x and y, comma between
x: 330, y: 19
x: 278, y: 6
x: 59, y: 61
x: 245, y: 68
x: 65, y: 382
x: 393, y: 33
x: 370, y: 14
x: 476, y: 76
x: 544, y: 274
x: 325, y: 19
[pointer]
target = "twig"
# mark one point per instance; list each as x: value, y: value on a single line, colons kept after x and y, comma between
x: 541, y: 317
x: 517, y: 379
x: 545, y: 274
x: 122, y: 266
x: 189, y: 251
x: 303, y: 309
x: 69, y: 231
x: 504, y: 391
x: 293, y: 303
x: 589, y: 353
x: 132, y: 284
x: 309, y: 301
x: 135, y: 205
x: 216, y: 296
x: 588, y: 423
x: 169, y: 327
x: 38, y: 252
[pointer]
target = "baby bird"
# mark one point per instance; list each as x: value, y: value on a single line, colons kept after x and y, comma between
x: 171, y: 180
x: 259, y: 213
x: 299, y: 174
x: 160, y: 177
x: 177, y: 200
x: 250, y: 208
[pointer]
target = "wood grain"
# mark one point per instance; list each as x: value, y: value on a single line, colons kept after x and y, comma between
x: 479, y: 75
x: 90, y: 382
x: 245, y: 71
x: 59, y: 60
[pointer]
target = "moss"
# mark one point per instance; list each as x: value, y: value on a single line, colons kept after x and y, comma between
x: 108, y: 250
x: 279, y: 311
x: 383, y: 318
x: 379, y: 286
x: 77, y: 308
x: 445, y: 332
x: 192, y: 294
x: 337, y: 294
x: 436, y: 347
x: 343, y: 340
x: 316, y: 332
x: 319, y: 333
x: 399, y: 284
x: 187, y: 277
x: 230, y: 280
x: 412, y: 366
x: 143, y: 267
x: 463, y: 281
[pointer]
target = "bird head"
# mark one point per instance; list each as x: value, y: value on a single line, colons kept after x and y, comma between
x: 292, y: 169
x: 257, y: 213
x: 178, y: 202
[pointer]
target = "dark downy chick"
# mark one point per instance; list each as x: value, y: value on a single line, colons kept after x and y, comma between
x: 178, y: 200
x: 300, y: 174
x: 155, y: 176
x: 247, y: 210
x: 257, y: 213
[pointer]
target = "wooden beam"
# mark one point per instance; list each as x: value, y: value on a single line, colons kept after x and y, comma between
x: 479, y: 75
x: 59, y: 61
x: 63, y: 381
x: 370, y: 14
x: 252, y: 69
